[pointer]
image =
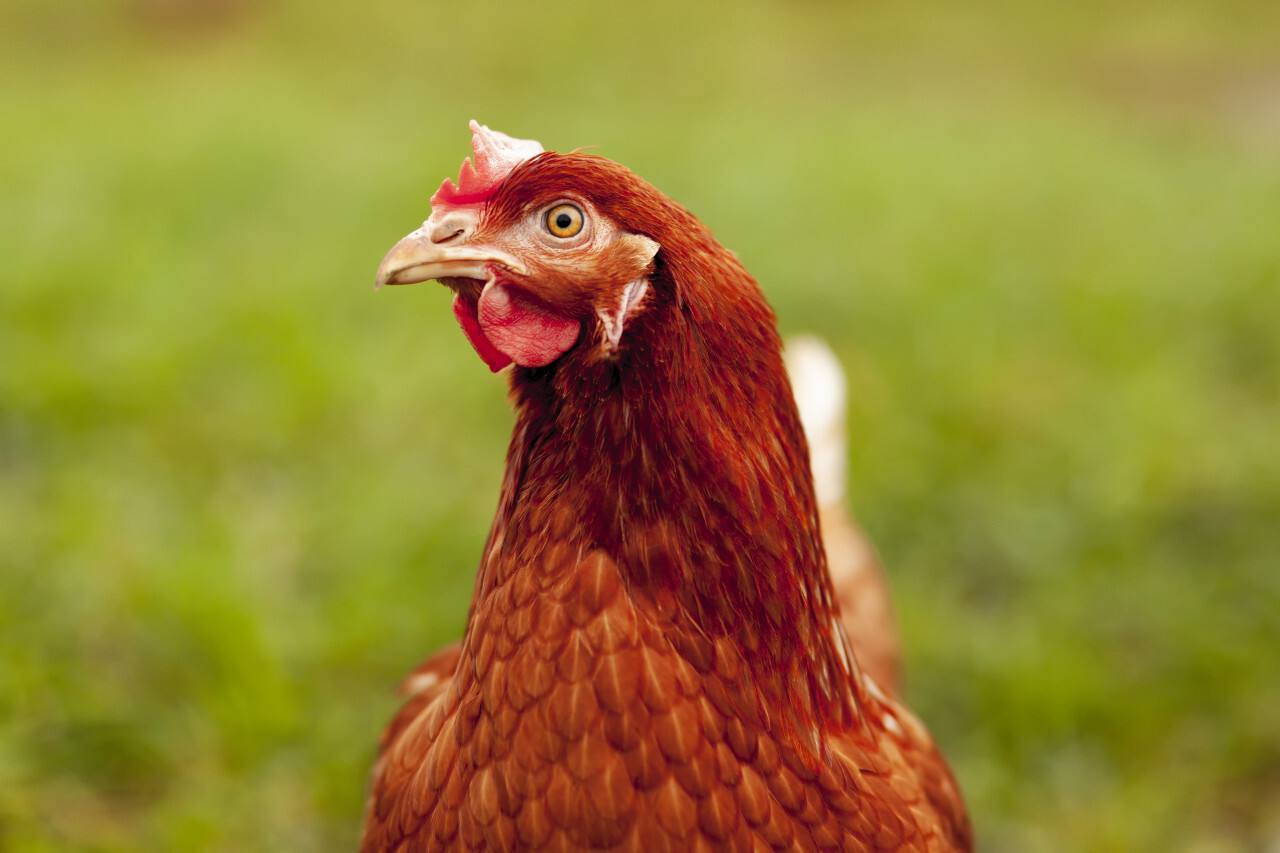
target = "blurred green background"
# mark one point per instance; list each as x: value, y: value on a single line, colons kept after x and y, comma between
x: 242, y: 494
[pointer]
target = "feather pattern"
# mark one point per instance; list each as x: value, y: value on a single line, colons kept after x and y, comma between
x: 654, y: 658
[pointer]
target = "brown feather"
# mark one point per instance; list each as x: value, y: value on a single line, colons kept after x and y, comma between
x: 654, y: 658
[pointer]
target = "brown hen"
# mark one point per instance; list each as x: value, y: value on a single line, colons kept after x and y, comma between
x: 654, y: 658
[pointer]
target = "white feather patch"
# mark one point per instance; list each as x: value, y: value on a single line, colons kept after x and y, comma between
x: 819, y: 385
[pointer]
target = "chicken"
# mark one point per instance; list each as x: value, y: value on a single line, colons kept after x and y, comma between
x: 862, y: 591
x: 654, y: 658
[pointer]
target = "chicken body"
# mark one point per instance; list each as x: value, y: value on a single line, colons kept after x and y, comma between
x: 654, y: 658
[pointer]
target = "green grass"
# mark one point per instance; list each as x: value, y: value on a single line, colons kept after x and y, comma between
x: 241, y: 494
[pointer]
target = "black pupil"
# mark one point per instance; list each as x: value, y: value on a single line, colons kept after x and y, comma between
x: 563, y: 221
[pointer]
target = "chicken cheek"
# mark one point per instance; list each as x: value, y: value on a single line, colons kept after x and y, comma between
x: 512, y: 326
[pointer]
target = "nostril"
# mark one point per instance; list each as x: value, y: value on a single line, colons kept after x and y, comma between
x: 448, y: 229
x: 444, y: 235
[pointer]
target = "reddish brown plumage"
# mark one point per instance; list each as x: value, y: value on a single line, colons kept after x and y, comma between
x: 653, y: 659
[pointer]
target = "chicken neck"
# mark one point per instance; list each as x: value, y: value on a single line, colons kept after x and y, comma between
x: 686, y: 466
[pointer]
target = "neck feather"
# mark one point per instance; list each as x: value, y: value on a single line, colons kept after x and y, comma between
x: 684, y: 461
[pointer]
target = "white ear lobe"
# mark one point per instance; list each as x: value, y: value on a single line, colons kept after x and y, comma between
x: 614, y: 321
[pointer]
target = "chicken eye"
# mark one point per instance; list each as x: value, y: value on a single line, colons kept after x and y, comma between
x: 565, y: 220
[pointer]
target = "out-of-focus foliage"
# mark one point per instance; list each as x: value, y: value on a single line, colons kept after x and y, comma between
x: 241, y: 493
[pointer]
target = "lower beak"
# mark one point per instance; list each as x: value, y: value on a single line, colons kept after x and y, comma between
x: 417, y: 258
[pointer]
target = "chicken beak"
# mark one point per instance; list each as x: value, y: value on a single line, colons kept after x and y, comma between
x: 418, y: 258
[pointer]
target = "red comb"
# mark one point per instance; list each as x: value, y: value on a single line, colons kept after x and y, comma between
x: 496, y: 154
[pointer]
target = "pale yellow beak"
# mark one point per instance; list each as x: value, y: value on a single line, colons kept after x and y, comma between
x: 418, y: 258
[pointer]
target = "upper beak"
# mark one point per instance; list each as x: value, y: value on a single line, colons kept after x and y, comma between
x: 418, y: 258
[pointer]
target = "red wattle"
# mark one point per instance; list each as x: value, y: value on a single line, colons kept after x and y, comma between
x: 523, y: 328
x: 465, y: 312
